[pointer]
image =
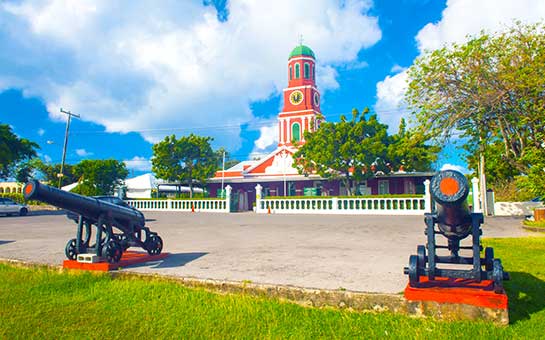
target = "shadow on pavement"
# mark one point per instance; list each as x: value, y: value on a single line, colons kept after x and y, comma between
x: 46, y: 212
x: 171, y: 261
x: 6, y: 242
x: 526, y: 295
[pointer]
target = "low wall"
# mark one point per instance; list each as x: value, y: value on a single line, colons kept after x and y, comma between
x: 212, y: 205
x: 515, y: 208
x: 351, y: 206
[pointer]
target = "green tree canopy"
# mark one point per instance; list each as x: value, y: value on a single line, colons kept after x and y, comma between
x: 356, y: 149
x: 99, y: 176
x: 14, y: 150
x: 184, y: 160
x: 49, y: 172
x: 489, y: 91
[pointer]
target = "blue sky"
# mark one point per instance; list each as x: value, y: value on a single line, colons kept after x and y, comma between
x: 136, y: 73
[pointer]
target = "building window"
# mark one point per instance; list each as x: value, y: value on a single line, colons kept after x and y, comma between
x: 313, y: 72
x: 291, y: 73
x: 307, y: 71
x: 297, y: 71
x: 383, y: 187
x: 296, y: 132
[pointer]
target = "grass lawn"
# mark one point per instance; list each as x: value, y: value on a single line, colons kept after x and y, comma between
x: 535, y: 224
x: 43, y: 303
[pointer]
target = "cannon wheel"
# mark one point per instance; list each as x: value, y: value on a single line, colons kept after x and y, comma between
x: 154, y: 245
x: 421, y: 253
x: 71, y: 251
x: 488, y: 259
x: 414, y: 276
x: 123, y: 240
x: 112, y: 251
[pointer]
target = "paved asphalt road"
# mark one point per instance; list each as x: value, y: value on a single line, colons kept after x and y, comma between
x: 362, y: 253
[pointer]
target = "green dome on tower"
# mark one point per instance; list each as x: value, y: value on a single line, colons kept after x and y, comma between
x: 301, y: 50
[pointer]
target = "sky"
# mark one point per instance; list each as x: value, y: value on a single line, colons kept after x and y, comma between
x: 138, y: 71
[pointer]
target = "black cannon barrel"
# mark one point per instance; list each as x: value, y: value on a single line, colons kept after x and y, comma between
x: 449, y: 190
x: 89, y: 207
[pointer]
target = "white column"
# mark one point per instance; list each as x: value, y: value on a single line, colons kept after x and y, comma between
x: 288, y: 140
x: 228, y: 189
x: 279, y: 131
x: 258, y: 189
x: 427, y: 196
x: 476, y: 194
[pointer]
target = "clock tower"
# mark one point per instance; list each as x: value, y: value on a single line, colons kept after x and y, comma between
x: 301, y: 110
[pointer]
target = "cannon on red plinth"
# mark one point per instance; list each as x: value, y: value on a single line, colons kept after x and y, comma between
x: 453, y: 220
x: 116, y: 227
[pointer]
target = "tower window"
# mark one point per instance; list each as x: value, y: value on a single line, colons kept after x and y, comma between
x: 291, y: 73
x: 307, y: 71
x: 297, y: 71
x: 314, y: 72
x: 296, y: 132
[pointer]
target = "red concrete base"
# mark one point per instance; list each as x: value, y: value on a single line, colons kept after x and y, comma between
x: 128, y: 258
x: 460, y: 291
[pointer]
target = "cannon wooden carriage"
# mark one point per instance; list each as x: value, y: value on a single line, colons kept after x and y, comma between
x: 453, y: 220
x: 116, y: 227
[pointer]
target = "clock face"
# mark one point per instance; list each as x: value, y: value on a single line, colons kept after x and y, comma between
x: 296, y: 97
x: 316, y: 99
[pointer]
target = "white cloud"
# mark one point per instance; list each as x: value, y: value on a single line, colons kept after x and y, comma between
x: 397, y: 68
x: 390, y: 105
x: 459, y: 19
x: 83, y: 153
x: 468, y: 17
x: 138, y: 163
x: 47, y: 159
x: 456, y: 167
x: 268, y: 137
x: 41, y: 132
x: 148, y: 66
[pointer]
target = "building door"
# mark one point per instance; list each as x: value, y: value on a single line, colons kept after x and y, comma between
x: 383, y: 187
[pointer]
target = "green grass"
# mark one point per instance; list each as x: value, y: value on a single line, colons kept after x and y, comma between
x: 535, y: 224
x: 43, y: 303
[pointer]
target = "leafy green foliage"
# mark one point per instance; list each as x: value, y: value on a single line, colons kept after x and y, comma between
x: 356, y: 149
x: 49, y: 172
x: 98, y: 176
x: 184, y: 160
x: 14, y: 150
x: 491, y: 91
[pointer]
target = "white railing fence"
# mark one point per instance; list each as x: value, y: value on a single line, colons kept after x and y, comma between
x: 221, y: 205
x: 352, y: 206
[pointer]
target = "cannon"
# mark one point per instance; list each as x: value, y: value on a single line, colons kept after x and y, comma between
x: 453, y: 219
x: 116, y: 227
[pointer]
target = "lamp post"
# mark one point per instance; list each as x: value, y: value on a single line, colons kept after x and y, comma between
x: 70, y: 114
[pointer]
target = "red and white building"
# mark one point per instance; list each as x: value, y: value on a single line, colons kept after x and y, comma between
x: 275, y: 173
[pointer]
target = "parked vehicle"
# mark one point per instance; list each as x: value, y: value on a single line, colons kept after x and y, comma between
x: 10, y: 207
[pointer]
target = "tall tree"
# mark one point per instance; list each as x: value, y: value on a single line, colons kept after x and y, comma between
x: 49, y: 172
x: 187, y: 159
x: 99, y: 176
x: 490, y: 91
x: 411, y: 150
x: 348, y: 150
x: 13, y: 150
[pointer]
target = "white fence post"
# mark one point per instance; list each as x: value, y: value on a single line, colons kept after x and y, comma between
x: 427, y: 196
x: 476, y: 194
x: 258, y: 189
x: 228, y: 189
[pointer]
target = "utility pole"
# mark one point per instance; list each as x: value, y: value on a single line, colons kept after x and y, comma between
x: 70, y: 114
x: 222, y: 175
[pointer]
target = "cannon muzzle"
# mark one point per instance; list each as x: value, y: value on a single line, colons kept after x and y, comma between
x: 449, y: 190
x: 89, y: 207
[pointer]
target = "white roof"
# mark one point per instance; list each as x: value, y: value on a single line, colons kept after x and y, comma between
x: 69, y: 187
x: 142, y: 182
x: 240, y: 166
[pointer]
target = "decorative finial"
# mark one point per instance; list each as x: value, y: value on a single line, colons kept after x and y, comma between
x: 300, y: 39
